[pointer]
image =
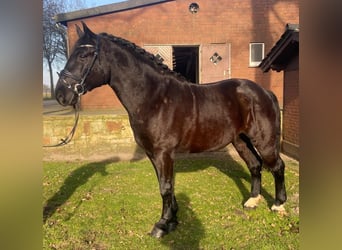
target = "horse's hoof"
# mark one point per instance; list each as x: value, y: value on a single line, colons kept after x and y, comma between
x: 280, y: 209
x: 159, y: 230
x: 249, y: 208
x: 252, y: 202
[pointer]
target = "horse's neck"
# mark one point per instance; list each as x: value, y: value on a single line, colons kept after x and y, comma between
x: 134, y: 84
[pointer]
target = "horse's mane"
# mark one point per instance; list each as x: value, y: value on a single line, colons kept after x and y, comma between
x: 147, y: 57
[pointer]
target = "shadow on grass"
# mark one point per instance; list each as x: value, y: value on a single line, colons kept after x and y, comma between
x: 225, y: 163
x: 79, y: 177
x: 190, y: 229
x: 75, y: 179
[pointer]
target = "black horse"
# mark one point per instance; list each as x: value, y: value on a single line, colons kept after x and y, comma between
x: 168, y: 114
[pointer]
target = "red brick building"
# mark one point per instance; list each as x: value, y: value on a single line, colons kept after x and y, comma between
x: 284, y: 56
x: 204, y: 40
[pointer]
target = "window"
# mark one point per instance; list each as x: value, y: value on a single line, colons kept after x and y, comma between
x: 256, y: 54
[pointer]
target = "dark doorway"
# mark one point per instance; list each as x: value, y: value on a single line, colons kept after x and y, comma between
x: 186, y: 62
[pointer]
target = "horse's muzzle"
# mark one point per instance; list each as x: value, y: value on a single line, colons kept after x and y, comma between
x: 68, y: 99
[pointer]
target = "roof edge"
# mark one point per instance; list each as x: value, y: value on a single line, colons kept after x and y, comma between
x: 284, y: 40
x: 63, y: 18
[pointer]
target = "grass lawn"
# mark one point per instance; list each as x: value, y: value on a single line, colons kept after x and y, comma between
x: 113, y: 205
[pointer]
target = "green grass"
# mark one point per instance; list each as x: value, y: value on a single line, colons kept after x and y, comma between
x: 113, y: 205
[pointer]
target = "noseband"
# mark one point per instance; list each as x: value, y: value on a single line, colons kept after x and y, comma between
x: 79, y: 88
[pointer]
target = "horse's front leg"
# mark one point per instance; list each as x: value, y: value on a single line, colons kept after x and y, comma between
x: 163, y: 164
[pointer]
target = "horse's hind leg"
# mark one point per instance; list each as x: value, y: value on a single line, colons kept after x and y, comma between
x: 272, y: 160
x: 277, y: 170
x: 247, y: 152
x: 280, y: 190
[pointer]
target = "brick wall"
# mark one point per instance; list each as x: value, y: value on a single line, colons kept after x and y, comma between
x: 97, y: 137
x: 237, y: 22
x: 291, y: 110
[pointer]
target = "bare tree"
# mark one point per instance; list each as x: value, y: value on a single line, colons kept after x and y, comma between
x: 54, y: 45
x: 55, y: 35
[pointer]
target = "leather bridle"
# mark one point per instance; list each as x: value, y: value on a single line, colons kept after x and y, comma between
x: 79, y: 88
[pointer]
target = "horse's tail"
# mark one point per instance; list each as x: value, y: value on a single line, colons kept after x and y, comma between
x: 274, y: 97
x: 276, y: 105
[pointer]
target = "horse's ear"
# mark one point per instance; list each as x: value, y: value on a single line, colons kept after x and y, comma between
x: 79, y: 31
x: 87, y: 30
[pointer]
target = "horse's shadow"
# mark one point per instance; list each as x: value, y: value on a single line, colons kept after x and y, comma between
x: 79, y: 177
x: 226, y: 164
x: 75, y: 179
x: 190, y: 230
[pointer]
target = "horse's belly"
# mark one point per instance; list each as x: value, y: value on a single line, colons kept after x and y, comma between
x: 210, y: 141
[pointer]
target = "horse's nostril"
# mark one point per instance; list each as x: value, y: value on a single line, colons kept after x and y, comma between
x: 60, y: 98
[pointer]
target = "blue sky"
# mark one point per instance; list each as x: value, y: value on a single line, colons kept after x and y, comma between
x: 94, y: 3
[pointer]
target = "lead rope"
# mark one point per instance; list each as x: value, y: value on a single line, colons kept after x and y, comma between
x: 69, y: 137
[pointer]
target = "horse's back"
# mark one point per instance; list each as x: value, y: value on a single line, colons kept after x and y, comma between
x: 205, y: 117
x: 232, y: 97
x: 228, y: 108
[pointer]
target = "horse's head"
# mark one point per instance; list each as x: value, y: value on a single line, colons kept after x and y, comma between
x: 82, y: 71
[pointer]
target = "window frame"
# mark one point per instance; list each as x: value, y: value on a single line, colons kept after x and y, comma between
x: 255, y: 64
